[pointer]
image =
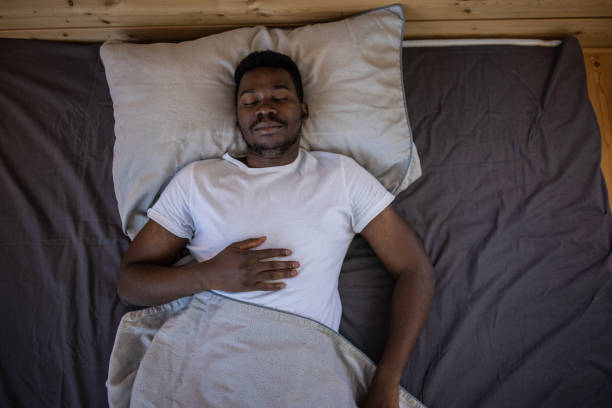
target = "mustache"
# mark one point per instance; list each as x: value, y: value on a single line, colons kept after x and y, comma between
x: 268, y: 118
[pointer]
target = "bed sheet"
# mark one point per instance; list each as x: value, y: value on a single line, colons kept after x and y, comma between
x: 513, y: 210
x: 511, y: 207
x: 60, y: 233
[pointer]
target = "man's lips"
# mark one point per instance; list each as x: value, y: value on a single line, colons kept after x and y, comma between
x: 267, y: 125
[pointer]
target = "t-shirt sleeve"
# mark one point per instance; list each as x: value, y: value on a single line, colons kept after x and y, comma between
x: 171, y: 210
x: 367, y: 197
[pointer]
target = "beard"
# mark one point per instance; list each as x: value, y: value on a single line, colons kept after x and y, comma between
x: 276, y: 149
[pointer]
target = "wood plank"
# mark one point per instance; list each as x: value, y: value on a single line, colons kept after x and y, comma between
x: 36, y: 14
x: 599, y: 81
x: 590, y: 32
x: 131, y: 34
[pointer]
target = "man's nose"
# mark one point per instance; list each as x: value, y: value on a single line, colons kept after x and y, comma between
x: 266, y: 108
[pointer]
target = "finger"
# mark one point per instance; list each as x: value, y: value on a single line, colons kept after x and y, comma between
x: 276, y: 275
x: 270, y: 253
x: 263, y: 266
x: 248, y: 243
x: 269, y: 286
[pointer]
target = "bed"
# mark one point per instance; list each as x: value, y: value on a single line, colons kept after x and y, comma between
x: 511, y: 207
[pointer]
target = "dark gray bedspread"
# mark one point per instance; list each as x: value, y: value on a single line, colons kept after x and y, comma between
x: 512, y: 209
x: 514, y: 212
x: 60, y: 235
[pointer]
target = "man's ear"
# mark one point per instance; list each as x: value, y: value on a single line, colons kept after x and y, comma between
x: 304, y: 110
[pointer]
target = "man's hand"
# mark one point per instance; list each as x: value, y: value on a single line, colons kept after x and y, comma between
x: 146, y: 277
x: 238, y: 268
x: 381, y: 395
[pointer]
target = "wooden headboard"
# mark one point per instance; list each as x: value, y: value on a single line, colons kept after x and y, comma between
x: 158, y: 20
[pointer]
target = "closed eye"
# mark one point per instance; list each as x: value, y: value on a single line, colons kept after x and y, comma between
x: 250, y: 102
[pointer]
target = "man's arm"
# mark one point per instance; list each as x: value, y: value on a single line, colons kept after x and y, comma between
x: 147, y: 278
x: 402, y: 253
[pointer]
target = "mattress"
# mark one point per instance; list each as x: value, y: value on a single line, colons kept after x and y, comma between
x: 511, y: 207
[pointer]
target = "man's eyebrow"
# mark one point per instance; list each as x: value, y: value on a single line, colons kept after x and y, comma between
x: 275, y: 87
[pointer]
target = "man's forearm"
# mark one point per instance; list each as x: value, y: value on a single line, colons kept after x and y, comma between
x: 149, y: 284
x: 401, y: 251
x: 409, y: 309
x: 237, y: 268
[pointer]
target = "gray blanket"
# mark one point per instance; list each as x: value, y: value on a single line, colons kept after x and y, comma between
x: 208, y: 350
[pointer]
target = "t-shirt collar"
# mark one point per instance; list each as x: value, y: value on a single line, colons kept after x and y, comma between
x: 243, y: 166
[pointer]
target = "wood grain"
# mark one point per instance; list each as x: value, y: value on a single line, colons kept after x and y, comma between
x: 156, y: 20
x: 41, y: 13
x: 592, y: 33
x: 598, y: 64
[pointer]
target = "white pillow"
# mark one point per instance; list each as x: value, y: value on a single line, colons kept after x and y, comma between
x: 174, y: 102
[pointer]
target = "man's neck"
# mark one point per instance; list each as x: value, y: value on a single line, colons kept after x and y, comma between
x: 271, y: 160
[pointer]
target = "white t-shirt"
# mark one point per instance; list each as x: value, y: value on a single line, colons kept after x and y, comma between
x: 312, y: 206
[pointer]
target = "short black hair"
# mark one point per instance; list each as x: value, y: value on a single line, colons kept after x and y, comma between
x: 269, y: 59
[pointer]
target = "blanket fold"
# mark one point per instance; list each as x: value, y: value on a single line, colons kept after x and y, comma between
x: 208, y: 350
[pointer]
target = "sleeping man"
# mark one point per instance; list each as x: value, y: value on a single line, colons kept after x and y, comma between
x: 273, y: 227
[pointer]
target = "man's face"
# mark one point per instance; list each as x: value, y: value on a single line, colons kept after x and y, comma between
x: 269, y: 112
